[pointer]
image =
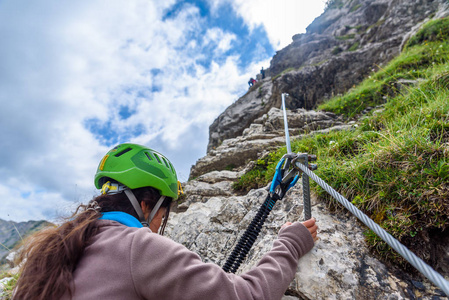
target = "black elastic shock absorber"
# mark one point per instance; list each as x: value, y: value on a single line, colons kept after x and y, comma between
x: 245, y: 243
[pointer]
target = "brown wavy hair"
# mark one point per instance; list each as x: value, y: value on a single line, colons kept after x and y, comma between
x: 50, y: 256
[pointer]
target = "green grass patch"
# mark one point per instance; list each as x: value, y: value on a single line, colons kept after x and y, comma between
x: 354, y: 46
x: 282, y: 73
x: 394, y: 165
x: 355, y: 7
x: 377, y: 24
x: 337, y: 50
x: 259, y: 175
x: 369, y: 93
x: 435, y: 30
x: 359, y: 28
x: 321, y: 62
x: 230, y: 167
x: 419, y: 62
x: 9, y: 287
x: 345, y: 37
x: 418, y: 59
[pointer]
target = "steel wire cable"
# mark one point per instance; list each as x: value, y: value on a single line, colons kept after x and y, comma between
x: 414, y: 260
x: 306, y: 194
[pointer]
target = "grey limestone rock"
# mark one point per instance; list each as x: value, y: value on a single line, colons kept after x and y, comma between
x: 341, y: 47
x: 241, y: 113
x: 266, y: 133
x: 340, y: 266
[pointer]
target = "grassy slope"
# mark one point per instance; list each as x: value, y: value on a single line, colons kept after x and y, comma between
x: 395, y: 164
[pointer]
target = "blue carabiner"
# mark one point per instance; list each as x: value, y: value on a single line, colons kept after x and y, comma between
x: 277, y: 178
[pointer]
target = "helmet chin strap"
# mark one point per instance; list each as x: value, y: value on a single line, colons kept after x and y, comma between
x: 155, y: 209
x: 138, y: 209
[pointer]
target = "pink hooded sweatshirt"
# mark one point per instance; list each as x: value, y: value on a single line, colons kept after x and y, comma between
x: 133, y: 263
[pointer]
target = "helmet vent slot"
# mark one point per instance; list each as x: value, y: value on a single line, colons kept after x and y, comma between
x: 123, y: 152
x: 148, y: 155
x: 157, y: 157
x: 166, y: 164
x: 171, y: 167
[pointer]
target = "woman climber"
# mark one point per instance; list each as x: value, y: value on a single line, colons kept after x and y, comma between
x: 110, y: 249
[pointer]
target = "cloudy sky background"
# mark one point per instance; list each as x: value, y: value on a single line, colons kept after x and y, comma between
x: 79, y: 77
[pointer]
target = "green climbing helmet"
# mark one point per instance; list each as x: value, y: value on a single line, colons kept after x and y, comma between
x: 137, y: 166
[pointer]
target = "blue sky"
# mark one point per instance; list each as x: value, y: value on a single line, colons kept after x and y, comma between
x: 78, y: 77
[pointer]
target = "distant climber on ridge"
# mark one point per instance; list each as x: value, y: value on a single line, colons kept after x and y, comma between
x: 251, y: 82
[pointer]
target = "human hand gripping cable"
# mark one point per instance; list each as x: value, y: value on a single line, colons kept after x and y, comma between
x: 283, y: 183
x: 310, y: 224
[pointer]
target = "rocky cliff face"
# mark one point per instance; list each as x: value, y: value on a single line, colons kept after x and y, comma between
x: 339, y: 49
x: 340, y: 266
x: 264, y: 134
x: 342, y: 46
x: 213, y: 217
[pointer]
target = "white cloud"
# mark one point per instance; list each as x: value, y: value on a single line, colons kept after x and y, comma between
x: 282, y: 18
x: 224, y: 39
x: 25, y: 203
x: 65, y: 64
x: 82, y: 62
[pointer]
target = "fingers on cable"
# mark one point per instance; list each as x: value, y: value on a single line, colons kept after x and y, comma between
x: 286, y: 224
x: 313, y: 229
x: 309, y: 223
